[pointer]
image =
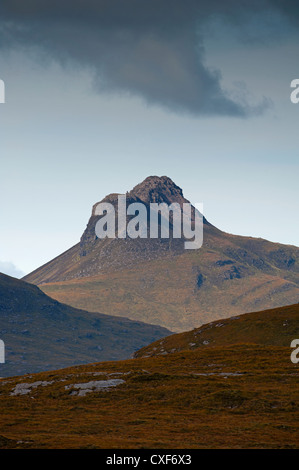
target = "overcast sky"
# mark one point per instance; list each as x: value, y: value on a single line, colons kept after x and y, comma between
x: 101, y: 94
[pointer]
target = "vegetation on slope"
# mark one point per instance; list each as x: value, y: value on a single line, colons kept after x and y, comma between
x: 274, y: 327
x: 181, y: 292
x: 241, y: 396
x: 241, y: 391
x: 42, y: 334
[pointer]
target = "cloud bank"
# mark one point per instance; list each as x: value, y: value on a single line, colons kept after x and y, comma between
x: 153, y: 49
x: 10, y: 269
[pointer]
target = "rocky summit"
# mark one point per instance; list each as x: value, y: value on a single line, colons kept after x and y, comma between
x: 93, y: 256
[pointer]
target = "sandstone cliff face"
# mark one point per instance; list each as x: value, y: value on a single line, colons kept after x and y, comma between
x: 115, y: 252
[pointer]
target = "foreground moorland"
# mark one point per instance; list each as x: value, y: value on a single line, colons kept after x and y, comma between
x: 238, y: 395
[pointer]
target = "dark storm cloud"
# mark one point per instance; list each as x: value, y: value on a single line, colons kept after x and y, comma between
x: 150, y: 48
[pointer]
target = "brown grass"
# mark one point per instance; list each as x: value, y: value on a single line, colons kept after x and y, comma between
x: 181, y: 400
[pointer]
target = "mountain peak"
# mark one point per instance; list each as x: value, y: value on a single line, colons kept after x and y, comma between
x: 158, y: 189
x: 157, y: 281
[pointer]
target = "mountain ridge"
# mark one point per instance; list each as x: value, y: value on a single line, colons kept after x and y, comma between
x: 159, y: 282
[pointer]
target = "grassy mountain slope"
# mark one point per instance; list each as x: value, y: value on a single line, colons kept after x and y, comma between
x: 42, y: 334
x: 274, y: 327
x: 227, y: 276
x: 231, y: 394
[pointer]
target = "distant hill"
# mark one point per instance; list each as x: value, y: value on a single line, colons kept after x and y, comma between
x: 274, y: 327
x: 42, y: 334
x: 159, y: 282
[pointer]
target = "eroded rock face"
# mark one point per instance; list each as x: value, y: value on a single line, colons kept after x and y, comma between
x: 25, y: 388
x: 120, y: 252
x: 81, y: 389
x: 92, y: 256
x: 74, y: 389
x: 158, y: 189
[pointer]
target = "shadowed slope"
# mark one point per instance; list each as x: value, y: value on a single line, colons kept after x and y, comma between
x: 41, y: 334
